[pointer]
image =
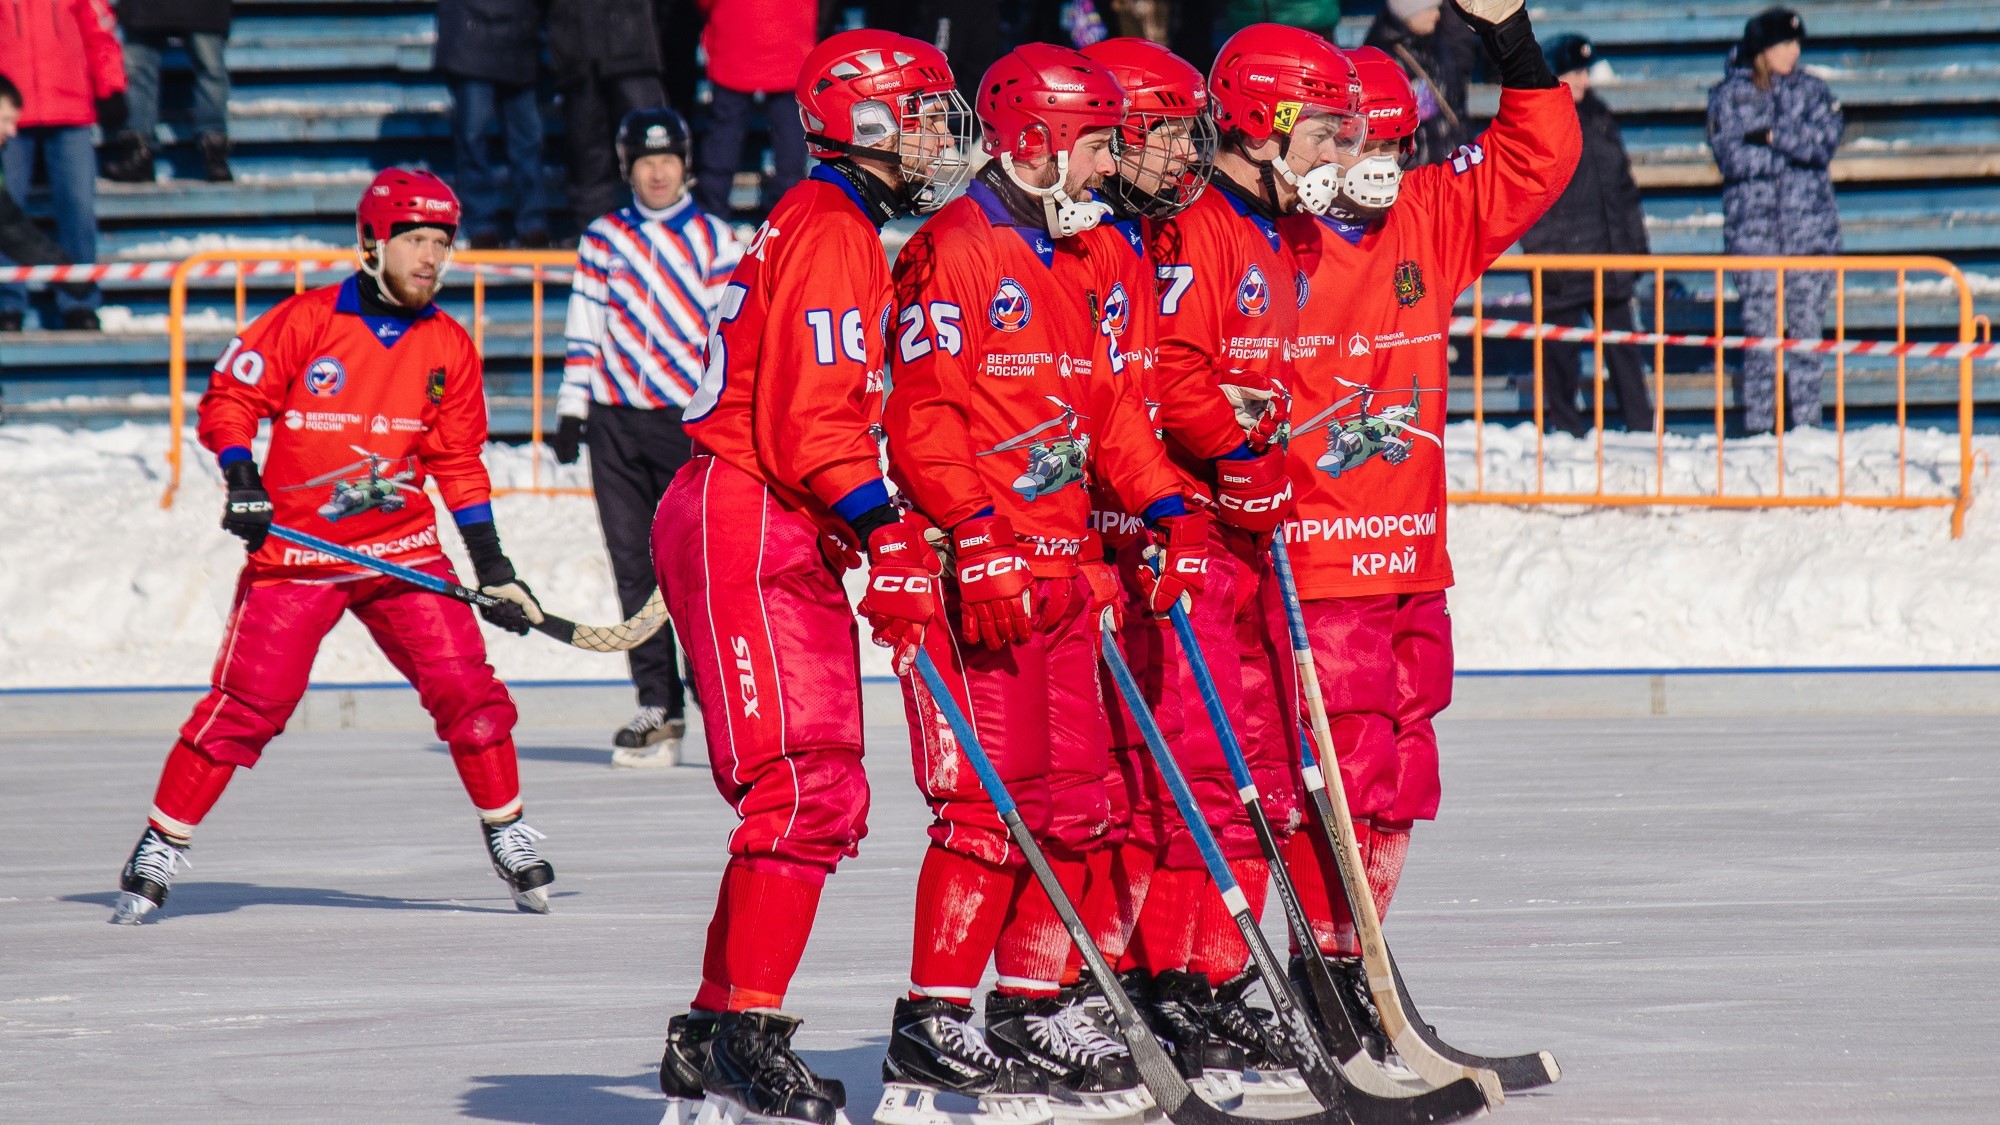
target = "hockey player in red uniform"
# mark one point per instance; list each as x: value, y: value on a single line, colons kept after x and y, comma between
x: 1010, y: 393
x: 1156, y: 884
x: 1386, y: 257
x: 1286, y: 105
x: 372, y: 391
x: 785, y: 487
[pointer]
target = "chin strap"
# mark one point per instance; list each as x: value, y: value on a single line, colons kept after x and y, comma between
x: 1066, y: 217
x: 371, y: 264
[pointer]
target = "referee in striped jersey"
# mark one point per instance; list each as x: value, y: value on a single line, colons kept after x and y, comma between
x: 648, y: 278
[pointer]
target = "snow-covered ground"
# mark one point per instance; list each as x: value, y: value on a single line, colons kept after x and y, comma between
x: 100, y: 585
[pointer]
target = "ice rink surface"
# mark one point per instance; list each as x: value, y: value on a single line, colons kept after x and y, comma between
x: 1776, y: 920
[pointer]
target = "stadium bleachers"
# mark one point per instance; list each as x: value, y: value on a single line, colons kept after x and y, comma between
x: 328, y: 90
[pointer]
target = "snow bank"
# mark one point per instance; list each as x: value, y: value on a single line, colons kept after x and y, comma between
x: 100, y: 585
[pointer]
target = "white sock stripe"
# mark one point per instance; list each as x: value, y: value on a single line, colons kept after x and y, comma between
x: 179, y: 829
x: 508, y: 811
x: 1028, y: 984
x: 962, y: 995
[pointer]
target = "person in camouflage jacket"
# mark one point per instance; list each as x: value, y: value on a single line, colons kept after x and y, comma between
x: 1773, y: 129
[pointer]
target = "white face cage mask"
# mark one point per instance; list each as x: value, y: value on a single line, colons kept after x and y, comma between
x: 933, y: 134
x: 1319, y: 187
x: 1066, y: 217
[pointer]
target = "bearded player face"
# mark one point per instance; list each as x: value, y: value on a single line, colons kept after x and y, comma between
x: 413, y: 265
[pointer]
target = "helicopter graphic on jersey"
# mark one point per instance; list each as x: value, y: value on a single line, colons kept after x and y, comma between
x: 380, y: 489
x: 1052, y: 464
x: 1352, y: 441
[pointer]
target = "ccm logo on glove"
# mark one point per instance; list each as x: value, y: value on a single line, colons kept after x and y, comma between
x: 901, y: 583
x: 994, y: 569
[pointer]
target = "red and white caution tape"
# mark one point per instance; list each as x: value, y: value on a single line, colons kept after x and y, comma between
x: 1527, y: 330
x: 164, y: 271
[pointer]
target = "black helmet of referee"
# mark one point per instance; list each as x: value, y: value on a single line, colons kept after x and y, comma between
x: 650, y: 132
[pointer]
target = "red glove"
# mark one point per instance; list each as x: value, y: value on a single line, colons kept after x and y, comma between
x: 1255, y: 495
x: 902, y: 595
x: 1105, y: 593
x: 993, y: 583
x: 1180, y: 550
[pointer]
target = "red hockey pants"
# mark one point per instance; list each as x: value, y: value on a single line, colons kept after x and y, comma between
x: 771, y: 639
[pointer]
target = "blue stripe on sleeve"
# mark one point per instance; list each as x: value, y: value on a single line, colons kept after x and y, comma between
x: 1240, y: 453
x: 473, y: 513
x: 1164, y: 508
x: 232, y: 454
x: 866, y: 498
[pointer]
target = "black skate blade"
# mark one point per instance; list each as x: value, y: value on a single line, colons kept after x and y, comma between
x: 1516, y: 1072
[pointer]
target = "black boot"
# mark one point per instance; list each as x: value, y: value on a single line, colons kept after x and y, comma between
x: 933, y: 1049
x: 753, y: 1071
x: 511, y: 847
x: 215, y: 158
x: 1254, y: 1031
x: 127, y: 158
x: 148, y: 876
x: 1082, y: 1065
x: 686, y: 1056
x: 1173, y: 1003
x: 1350, y: 983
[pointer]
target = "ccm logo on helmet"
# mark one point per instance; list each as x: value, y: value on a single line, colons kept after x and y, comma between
x: 993, y: 569
x: 1389, y: 111
x: 891, y: 583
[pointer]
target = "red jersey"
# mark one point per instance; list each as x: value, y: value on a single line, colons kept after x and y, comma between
x: 792, y: 387
x: 1230, y: 293
x: 1009, y: 391
x: 1369, y: 407
x: 1132, y: 315
x: 365, y: 409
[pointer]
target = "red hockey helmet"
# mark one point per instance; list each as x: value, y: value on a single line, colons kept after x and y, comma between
x: 1039, y: 98
x: 1268, y: 76
x: 860, y: 88
x: 399, y: 197
x: 1168, y: 136
x: 1387, y: 98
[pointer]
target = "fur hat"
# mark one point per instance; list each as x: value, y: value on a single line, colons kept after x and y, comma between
x: 1568, y: 52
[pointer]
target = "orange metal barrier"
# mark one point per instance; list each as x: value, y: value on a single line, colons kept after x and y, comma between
x: 1714, y: 269
x: 239, y: 265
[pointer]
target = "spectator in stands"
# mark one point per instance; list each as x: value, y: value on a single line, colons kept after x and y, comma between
x: 21, y: 240
x: 489, y: 51
x: 1438, y: 52
x: 63, y: 56
x: 755, y: 49
x: 606, y: 57
x: 648, y: 280
x: 1598, y: 213
x: 1318, y: 16
x: 202, y: 26
x: 1773, y: 129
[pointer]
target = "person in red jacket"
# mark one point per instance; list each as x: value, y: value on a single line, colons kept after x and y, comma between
x: 1386, y: 255
x: 372, y: 392
x: 755, y: 49
x: 784, y: 488
x: 1011, y: 395
x: 65, y: 58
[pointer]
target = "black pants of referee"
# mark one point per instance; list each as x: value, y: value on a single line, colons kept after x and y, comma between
x: 634, y: 455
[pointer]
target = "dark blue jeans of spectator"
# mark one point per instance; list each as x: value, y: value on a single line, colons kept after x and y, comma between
x: 721, y: 153
x: 72, y: 167
x: 142, y: 80
x: 476, y: 106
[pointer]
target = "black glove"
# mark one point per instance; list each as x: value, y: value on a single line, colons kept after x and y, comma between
x: 517, y: 609
x: 569, y: 436
x: 247, y: 515
x: 1502, y: 25
x: 1758, y: 137
x: 112, y: 112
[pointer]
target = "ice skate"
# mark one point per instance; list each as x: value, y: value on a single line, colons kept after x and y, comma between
x: 934, y: 1049
x: 686, y: 1056
x: 1172, y: 1002
x: 1090, y: 1074
x: 519, y: 865
x: 753, y: 1077
x: 1350, y: 980
x: 650, y: 741
x: 1270, y: 1071
x: 148, y: 876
